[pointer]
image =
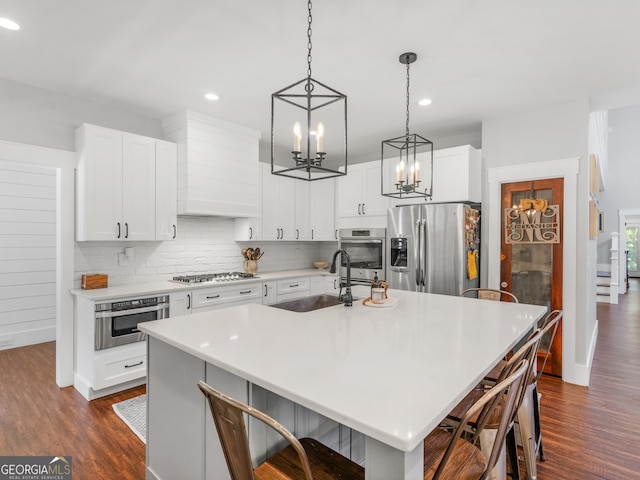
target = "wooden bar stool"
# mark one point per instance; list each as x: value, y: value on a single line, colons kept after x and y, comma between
x: 304, y: 459
x: 490, y: 294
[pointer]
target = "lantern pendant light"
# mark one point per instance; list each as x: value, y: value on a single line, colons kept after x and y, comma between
x: 313, y: 118
x: 407, y: 161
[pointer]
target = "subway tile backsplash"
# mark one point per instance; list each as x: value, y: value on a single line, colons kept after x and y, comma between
x: 203, y: 244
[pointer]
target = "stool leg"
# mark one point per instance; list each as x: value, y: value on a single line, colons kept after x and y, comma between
x: 512, y: 454
x: 536, y: 418
x: 526, y: 424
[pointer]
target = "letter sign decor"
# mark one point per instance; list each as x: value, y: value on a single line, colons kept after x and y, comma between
x: 532, y: 222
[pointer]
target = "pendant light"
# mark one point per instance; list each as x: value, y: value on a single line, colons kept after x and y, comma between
x: 311, y: 117
x: 407, y: 161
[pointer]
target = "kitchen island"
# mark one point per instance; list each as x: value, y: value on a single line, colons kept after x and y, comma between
x: 391, y: 374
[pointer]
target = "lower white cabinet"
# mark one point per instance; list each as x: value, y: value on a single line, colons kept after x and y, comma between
x: 206, y: 299
x: 118, y: 365
x: 292, y: 288
x: 269, y: 293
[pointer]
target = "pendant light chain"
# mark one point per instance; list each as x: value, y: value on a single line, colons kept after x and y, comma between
x: 310, y: 19
x: 407, y: 126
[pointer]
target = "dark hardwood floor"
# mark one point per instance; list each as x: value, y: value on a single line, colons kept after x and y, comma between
x: 588, y: 432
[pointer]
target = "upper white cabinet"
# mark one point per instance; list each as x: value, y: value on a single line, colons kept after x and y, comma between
x: 456, y: 176
x: 360, y: 197
x: 116, y: 185
x: 218, y: 169
x: 278, y: 206
x: 322, y: 210
x: 166, y: 190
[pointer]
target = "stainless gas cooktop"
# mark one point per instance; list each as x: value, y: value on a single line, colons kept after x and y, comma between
x: 224, y: 277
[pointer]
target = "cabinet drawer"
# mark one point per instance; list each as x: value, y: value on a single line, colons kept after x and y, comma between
x: 120, y: 365
x: 221, y: 295
x: 293, y: 285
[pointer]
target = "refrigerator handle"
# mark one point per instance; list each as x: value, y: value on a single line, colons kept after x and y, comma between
x: 423, y: 251
x: 418, y: 257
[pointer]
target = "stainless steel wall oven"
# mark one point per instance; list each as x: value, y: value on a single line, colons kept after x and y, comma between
x: 116, y: 323
x: 367, y: 251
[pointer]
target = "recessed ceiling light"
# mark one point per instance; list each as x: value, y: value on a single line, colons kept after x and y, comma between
x: 424, y: 102
x: 212, y: 96
x: 9, y: 24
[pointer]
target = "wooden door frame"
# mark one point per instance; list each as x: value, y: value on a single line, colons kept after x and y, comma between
x: 491, y: 212
x: 554, y: 363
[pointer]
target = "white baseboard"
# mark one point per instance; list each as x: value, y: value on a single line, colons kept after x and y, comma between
x: 87, y: 391
x: 582, y: 373
x: 27, y: 337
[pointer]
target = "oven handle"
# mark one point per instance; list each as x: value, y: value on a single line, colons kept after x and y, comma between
x: 370, y: 240
x: 131, y: 311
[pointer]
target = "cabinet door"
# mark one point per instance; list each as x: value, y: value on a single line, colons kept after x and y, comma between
x: 350, y: 192
x: 166, y: 190
x: 302, y: 209
x: 180, y: 304
x: 278, y: 206
x: 373, y: 202
x: 99, y: 202
x: 139, y: 187
x: 270, y: 204
x: 269, y: 293
x: 322, y: 209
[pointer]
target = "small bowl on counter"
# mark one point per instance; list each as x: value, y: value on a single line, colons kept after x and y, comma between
x: 320, y: 264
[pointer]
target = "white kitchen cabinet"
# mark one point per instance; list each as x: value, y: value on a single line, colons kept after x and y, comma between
x: 322, y: 210
x: 166, y: 190
x: 302, y: 209
x: 360, y: 201
x: 292, y: 288
x: 117, y: 186
x: 457, y: 176
x: 278, y: 206
x: 218, y: 167
x: 247, y: 229
x: 269, y: 293
x: 179, y: 304
x: 205, y: 299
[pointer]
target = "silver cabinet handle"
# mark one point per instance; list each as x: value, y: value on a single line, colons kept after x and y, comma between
x: 312, y: 232
x: 175, y: 231
x: 250, y: 233
x: 188, y: 301
x: 119, y: 232
x: 363, y: 212
x: 245, y: 292
x: 293, y: 286
x: 134, y: 364
x: 297, y: 234
x: 359, y: 213
x: 336, y: 234
x: 266, y: 290
x: 211, y: 297
x: 126, y: 230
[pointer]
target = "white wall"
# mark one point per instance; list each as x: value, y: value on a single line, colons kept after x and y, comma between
x: 549, y: 134
x: 623, y: 175
x: 27, y: 254
x: 34, y: 116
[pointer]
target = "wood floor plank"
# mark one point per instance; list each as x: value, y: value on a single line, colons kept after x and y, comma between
x: 589, y: 433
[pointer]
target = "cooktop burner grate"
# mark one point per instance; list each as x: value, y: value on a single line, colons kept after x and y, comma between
x: 213, y: 277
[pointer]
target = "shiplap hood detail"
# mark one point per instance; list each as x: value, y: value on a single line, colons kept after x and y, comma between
x: 218, y: 169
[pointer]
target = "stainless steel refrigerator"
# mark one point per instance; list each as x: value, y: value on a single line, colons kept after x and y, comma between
x: 433, y: 248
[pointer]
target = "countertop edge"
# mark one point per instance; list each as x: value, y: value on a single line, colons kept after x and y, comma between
x: 160, y: 286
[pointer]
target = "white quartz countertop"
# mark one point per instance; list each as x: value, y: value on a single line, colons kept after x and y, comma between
x: 390, y: 373
x: 153, y: 288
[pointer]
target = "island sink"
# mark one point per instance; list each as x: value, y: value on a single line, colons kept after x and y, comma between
x: 308, y: 304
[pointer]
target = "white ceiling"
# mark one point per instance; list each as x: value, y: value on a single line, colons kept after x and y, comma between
x: 476, y: 59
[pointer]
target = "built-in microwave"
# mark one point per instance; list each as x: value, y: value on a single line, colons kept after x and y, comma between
x: 116, y: 323
x: 366, y: 250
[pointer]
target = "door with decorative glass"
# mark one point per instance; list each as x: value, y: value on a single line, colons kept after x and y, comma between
x: 531, y: 250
